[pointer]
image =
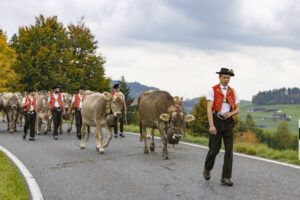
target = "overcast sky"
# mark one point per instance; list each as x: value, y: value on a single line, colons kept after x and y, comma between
x: 178, y: 45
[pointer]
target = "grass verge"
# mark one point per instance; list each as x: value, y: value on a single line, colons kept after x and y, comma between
x: 12, y: 186
x: 260, y: 150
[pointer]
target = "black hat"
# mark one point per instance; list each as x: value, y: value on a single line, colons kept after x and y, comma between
x: 55, y: 86
x: 31, y: 90
x: 116, y: 86
x: 226, y: 71
x: 81, y: 88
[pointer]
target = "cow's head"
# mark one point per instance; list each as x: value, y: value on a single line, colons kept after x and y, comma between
x: 67, y: 101
x: 117, y: 102
x: 175, y: 120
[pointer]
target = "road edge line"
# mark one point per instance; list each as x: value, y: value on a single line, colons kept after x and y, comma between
x: 35, y: 191
x: 235, y: 153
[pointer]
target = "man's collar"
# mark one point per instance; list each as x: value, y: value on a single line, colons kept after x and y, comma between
x: 223, y: 87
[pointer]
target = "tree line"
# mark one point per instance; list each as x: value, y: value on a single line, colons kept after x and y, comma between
x: 47, y: 53
x: 278, y: 96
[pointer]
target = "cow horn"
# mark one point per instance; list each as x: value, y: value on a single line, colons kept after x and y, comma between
x: 107, y: 96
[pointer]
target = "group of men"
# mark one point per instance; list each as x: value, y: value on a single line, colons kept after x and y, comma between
x: 222, y: 104
x: 55, y: 103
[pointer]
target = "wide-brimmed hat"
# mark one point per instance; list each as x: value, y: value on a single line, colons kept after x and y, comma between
x: 226, y: 71
x: 55, y: 86
x: 81, y: 88
x: 116, y: 86
x: 31, y: 90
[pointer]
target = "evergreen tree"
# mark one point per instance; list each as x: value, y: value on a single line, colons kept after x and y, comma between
x: 200, y: 126
x: 131, y: 111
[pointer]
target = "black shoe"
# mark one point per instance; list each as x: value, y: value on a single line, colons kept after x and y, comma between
x: 116, y: 135
x: 226, y: 182
x: 206, y: 174
x: 31, y: 139
x: 79, y: 136
x: 24, y: 136
x: 122, y: 135
x: 55, y: 137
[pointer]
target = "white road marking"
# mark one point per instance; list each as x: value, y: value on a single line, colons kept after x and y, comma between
x: 238, y: 154
x: 32, y: 184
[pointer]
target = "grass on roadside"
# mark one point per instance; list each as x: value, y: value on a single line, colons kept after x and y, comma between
x: 12, y: 185
x: 260, y: 150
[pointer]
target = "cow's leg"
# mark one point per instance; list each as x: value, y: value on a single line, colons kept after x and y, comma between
x: 152, y: 145
x: 109, y: 137
x: 82, y: 135
x: 71, y: 123
x: 10, y: 120
x: 163, y: 137
x: 37, y: 126
x: 144, y: 133
x: 97, y: 139
x: 3, y: 116
x: 100, y: 135
x: 7, y: 119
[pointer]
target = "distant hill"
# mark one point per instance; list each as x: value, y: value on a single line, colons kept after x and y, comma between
x: 277, y: 96
x: 136, y: 88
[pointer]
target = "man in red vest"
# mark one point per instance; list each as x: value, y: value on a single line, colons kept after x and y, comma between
x: 222, y: 104
x: 77, y: 104
x: 55, y: 101
x: 29, y: 105
x: 116, y: 89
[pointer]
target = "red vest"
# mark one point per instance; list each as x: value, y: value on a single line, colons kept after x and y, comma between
x: 53, y: 100
x: 218, y: 98
x: 77, y: 100
x: 29, y: 105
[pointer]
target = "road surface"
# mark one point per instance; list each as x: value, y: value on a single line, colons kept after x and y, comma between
x: 64, y: 172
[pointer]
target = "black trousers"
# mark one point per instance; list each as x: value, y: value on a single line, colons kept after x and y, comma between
x: 56, y: 116
x: 121, y: 123
x: 30, y: 118
x: 225, y: 131
x: 78, y: 120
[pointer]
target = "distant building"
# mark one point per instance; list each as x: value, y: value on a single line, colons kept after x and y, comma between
x: 281, y: 116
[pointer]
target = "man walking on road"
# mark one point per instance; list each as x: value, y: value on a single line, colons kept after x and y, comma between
x: 116, y: 89
x: 55, y: 101
x: 77, y: 103
x: 29, y: 105
x: 222, y: 104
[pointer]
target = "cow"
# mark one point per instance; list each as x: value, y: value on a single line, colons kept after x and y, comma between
x: 11, y: 107
x: 159, y: 110
x: 67, y: 101
x: 94, y: 114
x: 21, y: 111
x: 41, y: 111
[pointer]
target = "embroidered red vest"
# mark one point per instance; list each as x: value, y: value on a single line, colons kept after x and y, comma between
x: 29, y: 105
x: 218, y: 98
x: 53, y: 100
x: 77, y: 100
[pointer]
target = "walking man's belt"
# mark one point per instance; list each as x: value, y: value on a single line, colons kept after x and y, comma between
x: 218, y: 115
x: 31, y: 112
x: 58, y: 108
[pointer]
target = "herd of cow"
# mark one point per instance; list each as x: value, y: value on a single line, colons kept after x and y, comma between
x: 155, y: 110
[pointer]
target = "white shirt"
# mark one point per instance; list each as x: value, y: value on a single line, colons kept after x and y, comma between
x: 225, y: 106
x: 56, y: 104
x: 31, y: 99
x: 80, y: 97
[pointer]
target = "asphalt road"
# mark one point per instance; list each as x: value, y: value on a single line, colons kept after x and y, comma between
x: 63, y: 171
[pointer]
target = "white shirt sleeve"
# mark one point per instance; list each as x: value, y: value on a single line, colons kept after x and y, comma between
x: 49, y: 99
x: 23, y: 100
x: 73, y: 98
x: 210, y: 95
x: 237, y: 99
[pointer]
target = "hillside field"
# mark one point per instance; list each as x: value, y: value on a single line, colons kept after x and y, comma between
x: 292, y: 110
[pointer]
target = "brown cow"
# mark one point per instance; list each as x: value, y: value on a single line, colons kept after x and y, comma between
x: 159, y: 110
x: 94, y: 114
x: 11, y: 107
x: 41, y: 111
